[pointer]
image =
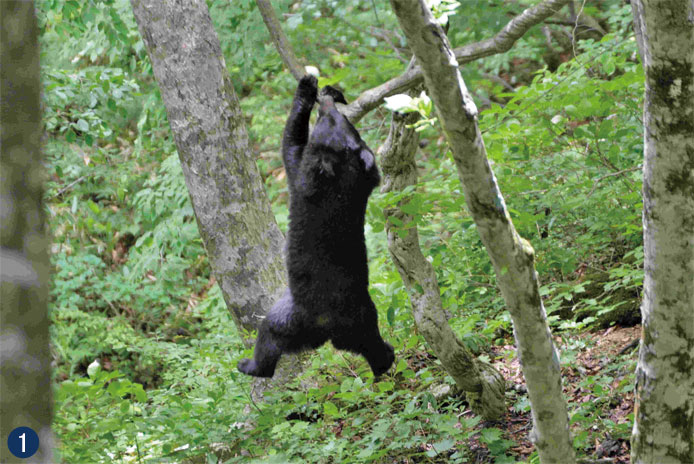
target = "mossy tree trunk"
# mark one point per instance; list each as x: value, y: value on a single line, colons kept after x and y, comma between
x: 25, y: 361
x: 511, y: 255
x: 243, y: 243
x: 664, y: 412
x: 483, y: 385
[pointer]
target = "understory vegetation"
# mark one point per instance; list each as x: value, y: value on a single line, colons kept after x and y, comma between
x: 144, y: 350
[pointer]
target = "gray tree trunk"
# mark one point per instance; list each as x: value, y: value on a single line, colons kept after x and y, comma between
x: 25, y: 375
x: 664, y: 412
x: 511, y: 255
x: 243, y: 243
x: 483, y: 385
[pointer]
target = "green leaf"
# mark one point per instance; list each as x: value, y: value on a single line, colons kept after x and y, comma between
x: 140, y: 393
x: 93, y: 206
x: 82, y: 125
x: 411, y: 207
x: 390, y: 315
x: 490, y: 435
x: 330, y: 409
x: 337, y: 77
x: 440, y: 447
x: 385, y: 386
x: 402, y: 365
x: 114, y: 388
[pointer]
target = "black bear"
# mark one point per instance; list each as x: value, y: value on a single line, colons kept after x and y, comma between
x: 331, y: 175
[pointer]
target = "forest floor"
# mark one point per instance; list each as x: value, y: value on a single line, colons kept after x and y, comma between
x: 589, y: 379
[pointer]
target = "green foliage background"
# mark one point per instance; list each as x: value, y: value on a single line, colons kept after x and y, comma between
x: 131, y: 285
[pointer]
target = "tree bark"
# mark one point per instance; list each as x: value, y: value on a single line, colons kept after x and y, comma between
x: 511, y: 255
x: 664, y: 412
x: 243, y: 243
x: 483, y: 385
x: 25, y: 361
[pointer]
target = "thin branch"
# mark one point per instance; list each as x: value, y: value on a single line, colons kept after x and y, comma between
x: 69, y: 186
x: 500, y: 43
x: 500, y: 81
x: 282, y: 44
x: 630, y: 346
x: 379, y: 33
x: 612, y: 174
x: 378, y: 20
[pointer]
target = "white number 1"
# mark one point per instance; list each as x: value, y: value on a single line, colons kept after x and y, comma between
x: 23, y: 437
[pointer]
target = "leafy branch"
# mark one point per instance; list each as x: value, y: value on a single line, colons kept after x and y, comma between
x: 372, y: 98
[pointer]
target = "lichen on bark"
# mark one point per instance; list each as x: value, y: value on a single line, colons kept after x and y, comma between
x: 664, y: 410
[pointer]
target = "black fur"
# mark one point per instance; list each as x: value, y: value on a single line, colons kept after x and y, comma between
x: 330, y: 175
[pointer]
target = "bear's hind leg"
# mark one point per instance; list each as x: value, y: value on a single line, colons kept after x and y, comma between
x: 367, y: 342
x: 380, y: 356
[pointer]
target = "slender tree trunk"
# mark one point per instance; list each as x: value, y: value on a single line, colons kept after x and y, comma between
x: 511, y: 255
x: 243, y: 242
x: 664, y: 412
x: 284, y: 48
x: 25, y: 375
x: 483, y: 385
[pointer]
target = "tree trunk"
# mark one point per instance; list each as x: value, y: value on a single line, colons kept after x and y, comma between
x: 243, y: 242
x: 483, y: 385
x: 511, y: 255
x: 25, y: 376
x: 664, y: 412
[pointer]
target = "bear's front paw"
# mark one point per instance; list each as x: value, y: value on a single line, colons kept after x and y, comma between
x: 250, y: 367
x: 247, y: 366
x: 336, y: 95
x: 308, y: 88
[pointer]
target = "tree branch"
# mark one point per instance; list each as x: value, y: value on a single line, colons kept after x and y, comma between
x: 372, y: 98
x: 280, y: 40
x: 612, y: 174
x: 514, y: 30
x: 500, y: 43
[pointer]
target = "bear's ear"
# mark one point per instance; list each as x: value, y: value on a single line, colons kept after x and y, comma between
x: 367, y: 157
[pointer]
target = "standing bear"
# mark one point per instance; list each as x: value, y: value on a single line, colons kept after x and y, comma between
x: 331, y: 174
